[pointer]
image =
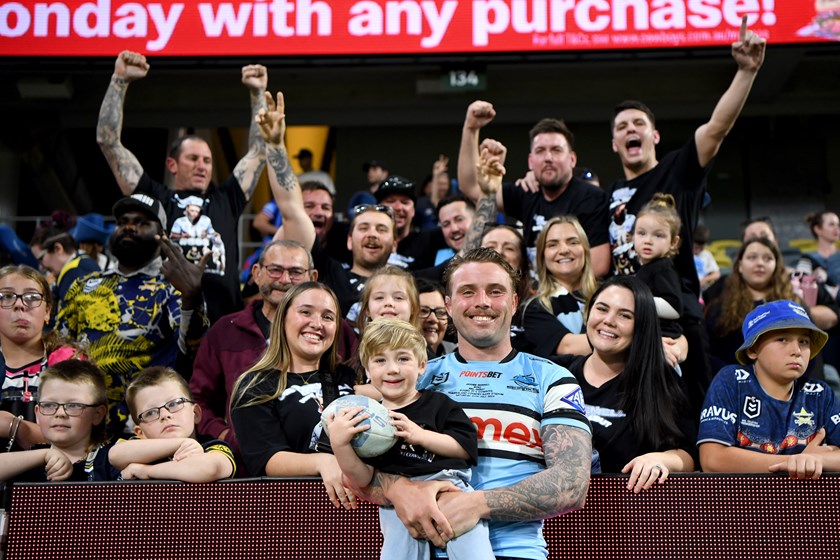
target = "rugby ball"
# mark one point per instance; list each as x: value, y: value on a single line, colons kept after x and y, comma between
x: 376, y: 440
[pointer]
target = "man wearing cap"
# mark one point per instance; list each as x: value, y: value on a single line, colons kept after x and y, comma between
x: 309, y: 173
x: 146, y: 312
x: 190, y: 164
x: 415, y: 249
x: 766, y: 407
x: 372, y: 236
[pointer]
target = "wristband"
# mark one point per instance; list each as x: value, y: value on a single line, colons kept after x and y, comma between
x: 13, y: 430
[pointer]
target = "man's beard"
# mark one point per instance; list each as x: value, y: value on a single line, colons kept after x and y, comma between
x: 553, y: 186
x: 133, y: 251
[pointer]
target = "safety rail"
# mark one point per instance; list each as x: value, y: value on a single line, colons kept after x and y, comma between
x: 690, y: 516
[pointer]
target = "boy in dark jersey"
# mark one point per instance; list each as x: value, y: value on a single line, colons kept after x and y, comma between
x: 767, y: 407
x: 71, y: 414
x: 166, y: 446
x: 438, y: 440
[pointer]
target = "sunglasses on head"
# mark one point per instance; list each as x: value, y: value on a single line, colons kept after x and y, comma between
x: 362, y: 208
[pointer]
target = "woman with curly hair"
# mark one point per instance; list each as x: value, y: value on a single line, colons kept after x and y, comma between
x: 758, y: 276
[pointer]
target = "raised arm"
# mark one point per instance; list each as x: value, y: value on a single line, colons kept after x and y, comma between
x: 249, y: 168
x: 284, y: 184
x: 127, y: 170
x: 479, y: 115
x: 748, y: 53
x: 440, y: 176
x: 489, y: 172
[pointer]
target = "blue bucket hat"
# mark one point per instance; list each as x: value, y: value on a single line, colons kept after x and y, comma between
x: 776, y: 316
x: 92, y: 227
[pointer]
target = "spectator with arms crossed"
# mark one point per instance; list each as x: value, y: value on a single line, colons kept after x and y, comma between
x: 518, y: 484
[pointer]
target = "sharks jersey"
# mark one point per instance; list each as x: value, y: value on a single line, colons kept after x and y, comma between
x: 738, y: 412
x: 509, y: 402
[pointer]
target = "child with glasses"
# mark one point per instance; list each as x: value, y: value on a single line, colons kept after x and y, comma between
x: 71, y: 414
x: 166, y: 445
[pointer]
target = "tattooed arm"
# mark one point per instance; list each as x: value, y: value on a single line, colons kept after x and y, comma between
x: 489, y: 173
x: 249, y: 168
x: 271, y: 122
x: 127, y: 170
x: 559, y: 489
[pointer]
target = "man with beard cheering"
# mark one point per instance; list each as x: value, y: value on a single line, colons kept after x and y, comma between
x: 552, y: 160
x: 146, y: 312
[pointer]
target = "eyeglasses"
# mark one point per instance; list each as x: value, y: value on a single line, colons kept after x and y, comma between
x: 30, y: 299
x: 362, y: 208
x: 295, y: 272
x: 70, y: 408
x: 440, y: 312
x: 154, y: 413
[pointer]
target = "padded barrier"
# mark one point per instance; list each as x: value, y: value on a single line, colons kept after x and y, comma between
x: 690, y: 516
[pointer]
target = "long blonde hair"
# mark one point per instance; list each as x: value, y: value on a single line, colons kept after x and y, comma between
x: 277, y: 358
x: 548, y: 284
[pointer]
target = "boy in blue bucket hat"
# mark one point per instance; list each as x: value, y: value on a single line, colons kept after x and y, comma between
x: 765, y: 407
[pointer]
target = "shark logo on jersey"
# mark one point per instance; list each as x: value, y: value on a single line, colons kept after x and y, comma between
x: 528, y: 381
x: 440, y: 378
x: 575, y: 399
x: 752, y: 407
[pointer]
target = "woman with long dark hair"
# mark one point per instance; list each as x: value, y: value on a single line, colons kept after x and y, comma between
x: 641, y: 423
x: 276, y: 405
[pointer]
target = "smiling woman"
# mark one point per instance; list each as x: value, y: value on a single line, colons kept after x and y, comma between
x: 552, y: 320
x: 276, y: 405
x: 758, y: 276
x: 634, y: 400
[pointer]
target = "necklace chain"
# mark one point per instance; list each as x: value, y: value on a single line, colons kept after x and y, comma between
x: 307, y: 379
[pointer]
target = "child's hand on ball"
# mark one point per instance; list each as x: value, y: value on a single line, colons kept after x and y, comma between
x: 345, y: 424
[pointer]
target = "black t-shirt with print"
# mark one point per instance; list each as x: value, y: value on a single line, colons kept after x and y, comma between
x: 213, y: 230
x: 290, y: 422
x: 678, y: 174
x: 583, y: 200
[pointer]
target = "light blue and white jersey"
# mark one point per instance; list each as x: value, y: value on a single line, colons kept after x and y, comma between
x: 510, y: 402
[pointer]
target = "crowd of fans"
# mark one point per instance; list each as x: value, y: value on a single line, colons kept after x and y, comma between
x: 575, y: 335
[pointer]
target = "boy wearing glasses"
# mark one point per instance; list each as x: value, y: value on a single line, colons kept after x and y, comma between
x: 166, y: 446
x: 71, y: 415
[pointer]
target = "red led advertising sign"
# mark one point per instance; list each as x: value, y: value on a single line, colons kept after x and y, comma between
x: 370, y: 27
